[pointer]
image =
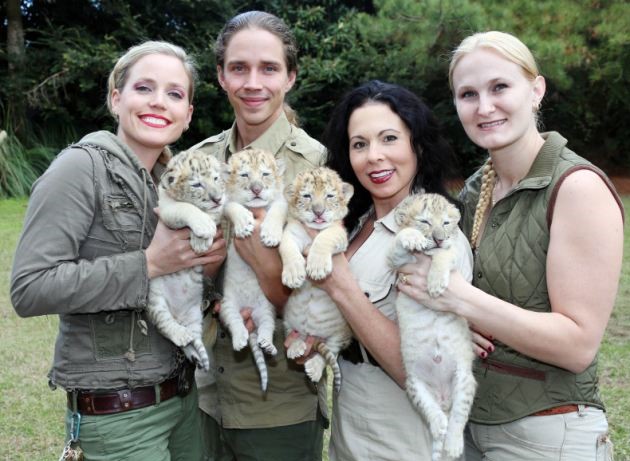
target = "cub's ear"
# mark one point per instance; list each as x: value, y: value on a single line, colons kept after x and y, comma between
x: 289, y: 191
x: 400, y: 213
x: 226, y: 169
x: 347, y: 190
x: 281, y: 166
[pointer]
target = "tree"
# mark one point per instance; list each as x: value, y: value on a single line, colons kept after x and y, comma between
x: 15, y: 110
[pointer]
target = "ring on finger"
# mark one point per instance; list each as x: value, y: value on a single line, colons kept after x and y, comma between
x: 404, y: 279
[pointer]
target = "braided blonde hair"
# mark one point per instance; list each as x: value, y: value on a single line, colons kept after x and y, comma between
x: 485, y: 199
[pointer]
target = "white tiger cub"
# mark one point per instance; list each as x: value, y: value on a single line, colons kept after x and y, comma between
x: 436, y: 346
x: 318, y: 199
x: 191, y: 194
x: 254, y: 180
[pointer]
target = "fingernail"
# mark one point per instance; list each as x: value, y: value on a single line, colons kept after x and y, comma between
x: 484, y: 354
x: 490, y: 348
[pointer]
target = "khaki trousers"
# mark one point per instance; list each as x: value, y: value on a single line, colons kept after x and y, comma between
x: 578, y: 436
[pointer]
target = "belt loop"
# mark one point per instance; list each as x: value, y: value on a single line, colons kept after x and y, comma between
x: 75, y: 399
x: 581, y: 410
x: 158, y: 396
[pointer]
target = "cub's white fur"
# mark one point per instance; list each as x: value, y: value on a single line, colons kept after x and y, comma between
x: 436, y: 346
x: 318, y: 200
x: 254, y: 180
x: 191, y: 194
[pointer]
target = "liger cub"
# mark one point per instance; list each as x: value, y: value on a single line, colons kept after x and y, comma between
x: 254, y: 180
x: 191, y: 194
x: 436, y: 346
x: 318, y: 200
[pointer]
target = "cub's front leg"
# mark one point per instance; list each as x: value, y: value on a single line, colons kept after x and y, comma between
x: 442, y: 262
x: 406, y: 242
x: 242, y: 219
x: 293, y: 263
x: 177, y: 215
x: 273, y: 224
x: 327, y: 243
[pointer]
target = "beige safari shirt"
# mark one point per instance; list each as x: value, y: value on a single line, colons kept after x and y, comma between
x: 373, y: 417
x: 230, y: 392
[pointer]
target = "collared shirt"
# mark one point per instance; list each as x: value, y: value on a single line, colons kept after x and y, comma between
x: 230, y: 392
x: 372, y: 416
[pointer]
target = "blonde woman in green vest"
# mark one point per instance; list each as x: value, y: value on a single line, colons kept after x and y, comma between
x: 546, y: 227
x: 256, y: 57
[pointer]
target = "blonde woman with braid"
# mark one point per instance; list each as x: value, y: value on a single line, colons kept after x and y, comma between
x: 546, y: 227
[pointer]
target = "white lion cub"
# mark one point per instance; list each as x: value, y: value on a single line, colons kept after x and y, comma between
x: 318, y: 200
x: 436, y: 346
x: 254, y: 180
x: 191, y: 194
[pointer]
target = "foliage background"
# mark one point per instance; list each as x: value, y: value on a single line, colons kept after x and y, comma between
x: 55, y: 92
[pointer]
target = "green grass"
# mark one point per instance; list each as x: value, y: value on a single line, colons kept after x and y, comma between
x: 31, y: 421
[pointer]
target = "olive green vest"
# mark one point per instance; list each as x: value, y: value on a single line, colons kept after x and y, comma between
x: 510, y: 264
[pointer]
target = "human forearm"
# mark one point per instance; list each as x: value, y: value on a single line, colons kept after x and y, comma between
x: 103, y: 284
x: 550, y: 337
x: 377, y: 333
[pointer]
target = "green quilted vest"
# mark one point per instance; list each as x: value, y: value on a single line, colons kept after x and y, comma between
x: 510, y: 264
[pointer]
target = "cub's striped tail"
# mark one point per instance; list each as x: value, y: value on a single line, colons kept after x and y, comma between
x: 259, y: 358
x: 331, y: 360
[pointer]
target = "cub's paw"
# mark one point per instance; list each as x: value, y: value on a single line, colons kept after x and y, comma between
x: 270, y: 233
x: 266, y: 345
x: 318, y: 265
x: 314, y: 367
x: 413, y: 240
x: 296, y: 349
x: 203, y: 226
x: 437, y: 281
x: 293, y: 274
x: 454, y: 444
x: 244, y: 224
x: 438, y: 424
x: 196, y: 352
x: 179, y: 336
x: 200, y: 244
x: 240, y: 336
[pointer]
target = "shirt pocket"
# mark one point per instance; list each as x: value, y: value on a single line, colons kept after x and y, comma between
x: 382, y: 295
x: 120, y: 214
x: 112, y: 335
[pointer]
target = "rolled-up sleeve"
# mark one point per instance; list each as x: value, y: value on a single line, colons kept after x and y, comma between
x: 48, y: 276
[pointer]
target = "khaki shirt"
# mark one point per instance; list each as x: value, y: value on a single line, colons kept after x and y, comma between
x: 230, y: 392
x: 372, y: 416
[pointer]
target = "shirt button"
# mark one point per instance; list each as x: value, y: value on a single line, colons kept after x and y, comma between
x: 494, y: 224
x: 293, y: 143
x: 222, y: 335
x: 220, y: 369
x: 479, y: 275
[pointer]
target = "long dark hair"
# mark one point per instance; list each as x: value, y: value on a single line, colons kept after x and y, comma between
x: 436, y: 161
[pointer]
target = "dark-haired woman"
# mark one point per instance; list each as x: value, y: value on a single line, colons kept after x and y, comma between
x: 384, y: 141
